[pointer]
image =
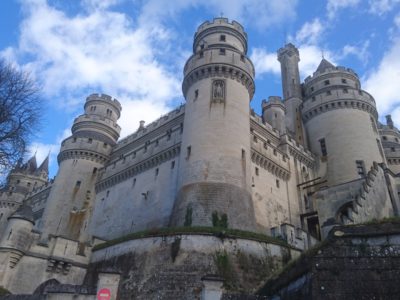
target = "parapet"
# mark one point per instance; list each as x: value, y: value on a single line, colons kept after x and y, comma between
x: 220, y: 25
x: 337, y: 70
x: 272, y: 101
x: 104, y: 98
x: 288, y: 49
x: 221, y: 21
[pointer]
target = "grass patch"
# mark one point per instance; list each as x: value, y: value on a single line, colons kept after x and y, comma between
x: 214, y: 231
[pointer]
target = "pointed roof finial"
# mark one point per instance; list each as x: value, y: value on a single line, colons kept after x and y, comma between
x: 322, y: 54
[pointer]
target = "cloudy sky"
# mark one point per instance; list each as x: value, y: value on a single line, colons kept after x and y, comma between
x: 134, y: 50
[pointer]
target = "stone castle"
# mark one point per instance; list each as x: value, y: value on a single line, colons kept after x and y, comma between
x: 315, y: 158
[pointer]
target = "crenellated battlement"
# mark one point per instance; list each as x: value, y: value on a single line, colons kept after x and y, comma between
x: 221, y: 21
x: 104, y: 98
x: 331, y: 71
x: 289, y: 49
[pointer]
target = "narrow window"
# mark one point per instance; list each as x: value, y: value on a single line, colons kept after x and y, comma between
x: 242, y: 57
x: 94, y: 171
x: 345, y: 91
x: 313, y: 98
x: 323, y: 147
x: 360, y: 168
x: 156, y: 172
x: 196, y: 94
x: 374, y: 125
x: 201, y: 54
x: 156, y: 143
x: 275, y: 152
x: 312, y: 89
x: 74, y: 140
x: 188, y: 151
x: 384, y: 138
x: 254, y: 139
x: 105, y: 145
x: 90, y: 140
x: 328, y: 93
x: 257, y: 171
x: 222, y: 51
x: 134, y: 182
x: 243, y: 154
x: 344, y: 80
x: 277, y: 183
x: 78, y: 184
x: 326, y: 82
x: 222, y: 38
x: 181, y: 129
x: 108, y: 194
x: 392, y: 149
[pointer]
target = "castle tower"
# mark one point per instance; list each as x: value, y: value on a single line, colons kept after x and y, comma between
x: 274, y: 113
x: 81, y: 156
x: 21, y: 181
x: 340, y: 120
x: 215, y: 153
x: 289, y: 58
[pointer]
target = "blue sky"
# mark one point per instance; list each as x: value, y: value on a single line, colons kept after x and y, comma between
x: 135, y: 51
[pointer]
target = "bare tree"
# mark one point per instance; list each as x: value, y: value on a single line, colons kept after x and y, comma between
x: 20, y: 112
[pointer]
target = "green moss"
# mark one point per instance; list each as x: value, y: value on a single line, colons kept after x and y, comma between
x: 171, y: 231
x: 219, y: 222
x: 4, y: 292
x: 188, y: 217
x: 224, y: 267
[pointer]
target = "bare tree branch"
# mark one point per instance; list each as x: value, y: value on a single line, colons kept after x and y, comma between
x: 20, y: 113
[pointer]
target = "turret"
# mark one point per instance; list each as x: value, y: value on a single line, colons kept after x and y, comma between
x: 289, y: 58
x: 274, y: 113
x: 18, y: 231
x: 215, y: 153
x: 81, y: 156
x: 340, y: 120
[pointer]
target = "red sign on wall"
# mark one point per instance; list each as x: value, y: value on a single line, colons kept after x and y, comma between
x: 104, y: 294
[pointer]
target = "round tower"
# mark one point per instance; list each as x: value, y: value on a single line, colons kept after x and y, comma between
x: 390, y: 137
x: 214, y: 180
x: 18, y: 230
x: 289, y: 58
x: 340, y: 120
x: 81, y: 156
x: 274, y: 113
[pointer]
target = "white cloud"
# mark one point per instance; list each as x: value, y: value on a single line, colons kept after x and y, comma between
x: 334, y: 5
x: 99, y: 51
x: 264, y: 61
x: 380, y: 7
x: 361, y: 52
x: 310, y: 32
x: 380, y: 82
x: 310, y: 57
x: 257, y: 13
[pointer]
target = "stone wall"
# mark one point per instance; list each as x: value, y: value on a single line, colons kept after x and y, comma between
x: 356, y: 262
x: 173, y: 267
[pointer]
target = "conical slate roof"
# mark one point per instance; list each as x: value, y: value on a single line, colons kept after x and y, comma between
x: 324, y: 65
x: 24, y: 212
x: 44, y: 165
x: 31, y: 164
